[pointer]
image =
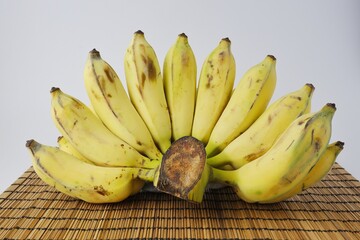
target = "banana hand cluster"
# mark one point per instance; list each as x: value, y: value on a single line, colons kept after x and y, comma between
x: 180, y: 135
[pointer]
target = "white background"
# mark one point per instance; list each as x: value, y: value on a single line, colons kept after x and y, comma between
x: 45, y: 44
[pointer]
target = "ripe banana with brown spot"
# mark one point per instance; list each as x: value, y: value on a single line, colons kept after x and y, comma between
x: 248, y: 101
x: 88, y: 182
x: 180, y: 86
x: 113, y: 106
x: 261, y: 135
x: 88, y: 135
x: 214, y: 89
x: 287, y: 162
x: 146, y: 89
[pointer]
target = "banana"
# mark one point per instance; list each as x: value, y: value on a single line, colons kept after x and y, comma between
x: 88, y: 182
x: 112, y: 105
x: 214, y: 89
x: 180, y: 86
x: 286, y: 163
x: 261, y: 135
x: 146, y: 89
x: 324, y: 165
x: 316, y: 173
x: 248, y: 101
x: 66, y: 146
x: 90, y: 137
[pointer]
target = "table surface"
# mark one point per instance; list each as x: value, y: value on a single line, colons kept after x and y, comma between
x: 30, y: 209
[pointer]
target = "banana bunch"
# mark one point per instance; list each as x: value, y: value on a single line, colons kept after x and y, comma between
x: 181, y: 136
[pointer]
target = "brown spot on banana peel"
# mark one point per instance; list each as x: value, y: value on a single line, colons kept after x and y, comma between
x: 210, y: 63
x: 254, y: 155
x: 143, y: 79
x: 75, y: 122
x: 209, y: 80
x: 100, y: 190
x: 221, y: 57
x: 109, y: 76
x: 296, y: 97
x: 150, y: 69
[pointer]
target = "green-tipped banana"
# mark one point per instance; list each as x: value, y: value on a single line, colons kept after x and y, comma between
x: 286, y: 163
x: 248, y: 101
x: 88, y: 182
x: 183, y: 171
x: 317, y: 173
x: 215, y: 87
x: 261, y: 135
x: 90, y: 137
x: 112, y: 104
x: 146, y: 89
x: 180, y: 86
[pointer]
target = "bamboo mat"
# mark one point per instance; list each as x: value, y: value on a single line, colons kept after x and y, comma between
x: 29, y: 209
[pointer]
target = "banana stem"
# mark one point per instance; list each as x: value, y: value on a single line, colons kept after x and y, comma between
x: 183, y: 171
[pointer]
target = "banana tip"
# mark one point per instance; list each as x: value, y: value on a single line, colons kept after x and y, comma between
x: 272, y: 57
x: 310, y: 86
x: 29, y: 143
x: 54, y: 89
x: 59, y: 138
x: 340, y: 144
x: 183, y: 35
x: 139, y: 32
x: 226, y: 40
x: 94, y: 52
x: 331, y: 105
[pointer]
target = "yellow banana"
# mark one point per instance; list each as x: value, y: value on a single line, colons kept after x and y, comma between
x: 180, y: 86
x: 90, y: 137
x: 316, y: 173
x: 214, y: 90
x: 261, y: 135
x: 66, y: 146
x: 286, y: 163
x: 248, y: 101
x: 88, y: 182
x: 146, y: 89
x: 324, y: 165
x: 112, y: 104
